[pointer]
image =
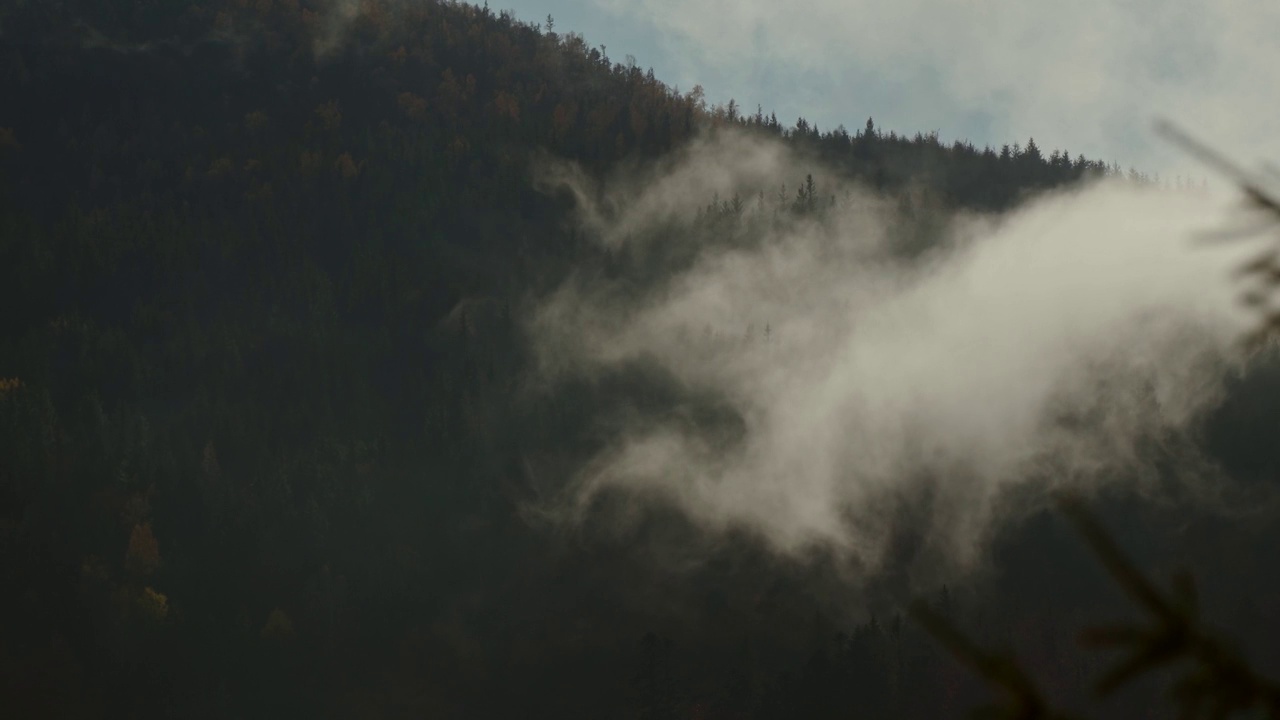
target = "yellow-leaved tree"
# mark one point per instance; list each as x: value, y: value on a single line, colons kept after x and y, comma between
x: 278, y: 626
x: 143, y: 556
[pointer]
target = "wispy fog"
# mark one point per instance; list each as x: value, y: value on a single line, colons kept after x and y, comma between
x: 1071, y: 343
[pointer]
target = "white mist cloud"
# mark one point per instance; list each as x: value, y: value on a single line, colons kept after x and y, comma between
x: 1064, y: 344
x: 336, y: 17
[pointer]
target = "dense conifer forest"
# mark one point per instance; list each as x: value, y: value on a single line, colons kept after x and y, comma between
x: 267, y: 447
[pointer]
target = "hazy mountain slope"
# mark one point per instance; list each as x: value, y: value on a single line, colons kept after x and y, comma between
x: 265, y: 441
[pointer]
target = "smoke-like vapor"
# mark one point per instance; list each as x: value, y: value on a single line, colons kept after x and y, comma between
x: 336, y: 17
x: 1070, y: 343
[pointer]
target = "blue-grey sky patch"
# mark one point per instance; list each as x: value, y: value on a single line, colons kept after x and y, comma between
x: 1089, y: 76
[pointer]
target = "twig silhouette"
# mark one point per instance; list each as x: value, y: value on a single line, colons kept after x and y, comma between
x: 1024, y: 701
x: 1263, y: 269
x: 1220, y: 682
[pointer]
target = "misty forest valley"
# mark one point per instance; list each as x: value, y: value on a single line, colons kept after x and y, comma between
x: 412, y: 359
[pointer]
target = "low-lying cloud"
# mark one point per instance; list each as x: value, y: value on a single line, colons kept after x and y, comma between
x: 1070, y: 343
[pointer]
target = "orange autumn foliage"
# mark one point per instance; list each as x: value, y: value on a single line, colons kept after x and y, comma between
x: 143, y: 556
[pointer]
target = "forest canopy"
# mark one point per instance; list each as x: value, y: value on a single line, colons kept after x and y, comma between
x: 266, y: 440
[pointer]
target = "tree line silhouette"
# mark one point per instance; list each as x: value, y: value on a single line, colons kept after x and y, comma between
x: 261, y: 446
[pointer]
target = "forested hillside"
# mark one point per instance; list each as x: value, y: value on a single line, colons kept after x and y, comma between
x: 265, y: 444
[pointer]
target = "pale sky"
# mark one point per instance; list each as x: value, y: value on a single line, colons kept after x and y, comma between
x: 1086, y: 75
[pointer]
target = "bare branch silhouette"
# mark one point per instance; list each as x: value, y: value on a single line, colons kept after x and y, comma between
x: 1263, y: 270
x: 1219, y: 682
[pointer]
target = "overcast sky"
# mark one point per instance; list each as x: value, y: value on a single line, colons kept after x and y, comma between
x: 1086, y: 75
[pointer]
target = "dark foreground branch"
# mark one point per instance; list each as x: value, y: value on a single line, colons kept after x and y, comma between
x: 1218, y: 684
